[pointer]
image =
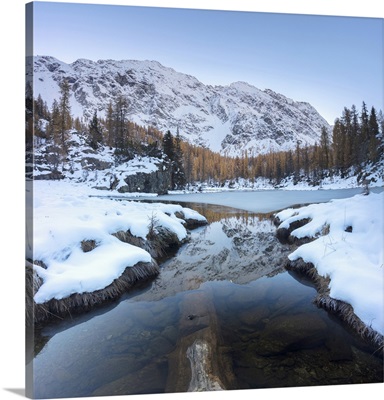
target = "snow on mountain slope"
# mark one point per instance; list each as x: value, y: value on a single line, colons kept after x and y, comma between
x: 228, y: 119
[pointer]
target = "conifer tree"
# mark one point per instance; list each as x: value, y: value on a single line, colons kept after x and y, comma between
x: 120, y: 126
x: 78, y: 125
x: 179, y: 173
x: 355, y: 136
x: 289, y: 165
x: 65, y: 114
x: 364, y: 134
x: 54, y: 125
x: 297, y: 162
x: 315, y: 164
x: 278, y: 169
x: 41, y: 109
x: 324, y: 161
x: 380, y: 120
x: 168, y: 146
x: 338, y: 140
x: 373, y: 131
x: 348, y: 138
x: 109, y: 125
x: 169, y: 151
x: 95, y: 132
x: 53, y: 134
x: 173, y: 151
x: 306, y: 160
x: 187, y: 155
x: 29, y: 120
x: 40, y: 116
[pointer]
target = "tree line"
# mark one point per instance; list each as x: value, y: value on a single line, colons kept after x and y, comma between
x: 355, y: 141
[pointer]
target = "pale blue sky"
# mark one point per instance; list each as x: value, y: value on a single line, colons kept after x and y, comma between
x: 331, y: 62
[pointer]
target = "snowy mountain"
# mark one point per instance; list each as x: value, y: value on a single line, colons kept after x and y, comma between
x: 224, y: 118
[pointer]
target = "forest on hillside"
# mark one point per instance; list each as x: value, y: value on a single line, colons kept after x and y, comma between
x: 356, y: 141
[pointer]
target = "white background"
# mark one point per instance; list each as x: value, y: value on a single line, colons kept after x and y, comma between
x: 12, y: 188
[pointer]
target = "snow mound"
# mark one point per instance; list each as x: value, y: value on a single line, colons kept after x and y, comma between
x: 348, y: 250
x: 64, y: 215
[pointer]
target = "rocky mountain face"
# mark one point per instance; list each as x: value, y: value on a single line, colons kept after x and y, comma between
x: 228, y: 119
x: 98, y: 169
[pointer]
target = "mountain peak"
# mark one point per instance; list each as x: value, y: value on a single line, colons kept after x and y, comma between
x: 243, y: 86
x: 230, y: 118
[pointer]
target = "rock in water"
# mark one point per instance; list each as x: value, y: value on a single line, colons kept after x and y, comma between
x: 199, y: 357
x: 202, y: 380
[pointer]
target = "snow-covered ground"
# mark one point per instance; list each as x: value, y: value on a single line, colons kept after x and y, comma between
x: 65, y: 214
x: 374, y: 175
x: 352, y: 260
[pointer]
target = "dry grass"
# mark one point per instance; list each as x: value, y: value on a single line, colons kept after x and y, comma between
x: 80, y: 302
x: 345, y: 312
x: 156, y: 244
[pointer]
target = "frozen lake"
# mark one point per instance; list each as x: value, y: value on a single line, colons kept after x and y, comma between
x: 264, y: 201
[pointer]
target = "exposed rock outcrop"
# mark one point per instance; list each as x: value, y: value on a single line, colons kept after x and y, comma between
x: 100, y: 168
x: 155, y: 182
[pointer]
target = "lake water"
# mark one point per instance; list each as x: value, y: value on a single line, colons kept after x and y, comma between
x: 225, y: 289
x: 265, y: 201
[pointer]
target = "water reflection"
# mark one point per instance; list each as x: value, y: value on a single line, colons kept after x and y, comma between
x: 228, y: 279
x: 278, y: 339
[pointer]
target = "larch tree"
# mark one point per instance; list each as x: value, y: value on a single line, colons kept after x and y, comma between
x: 325, y: 156
x: 109, y: 126
x: 297, y: 162
x: 54, y: 123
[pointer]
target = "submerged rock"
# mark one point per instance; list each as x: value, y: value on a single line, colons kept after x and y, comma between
x: 201, y: 380
x: 149, y: 379
x: 290, y: 333
x: 199, y: 358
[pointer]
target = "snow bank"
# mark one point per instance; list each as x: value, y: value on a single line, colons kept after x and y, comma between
x: 348, y: 250
x: 64, y: 215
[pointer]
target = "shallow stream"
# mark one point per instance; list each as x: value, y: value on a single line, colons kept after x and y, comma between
x: 229, y: 281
